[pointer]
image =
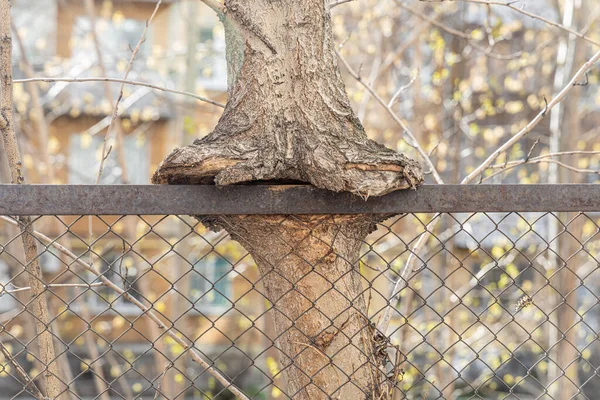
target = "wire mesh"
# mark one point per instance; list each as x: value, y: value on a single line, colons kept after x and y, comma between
x: 494, y: 306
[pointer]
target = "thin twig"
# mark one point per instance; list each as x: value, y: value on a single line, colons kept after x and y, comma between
x: 416, y: 249
x: 39, y: 302
x: 99, y: 379
x: 127, y: 71
x: 121, y: 157
x: 52, y: 285
x: 338, y: 3
x: 162, y: 378
x: 397, y: 119
x: 524, y: 12
x: 124, y: 81
x: 548, y: 155
x: 27, y: 381
x: 544, y: 161
x: 529, y: 127
x: 125, y: 105
x: 115, y: 123
x: 402, y: 89
x: 147, y: 310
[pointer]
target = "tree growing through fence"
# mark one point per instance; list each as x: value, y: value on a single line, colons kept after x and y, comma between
x: 288, y: 119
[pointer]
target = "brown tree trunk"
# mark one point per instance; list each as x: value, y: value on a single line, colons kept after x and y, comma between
x: 288, y: 119
x: 308, y: 266
x: 288, y: 116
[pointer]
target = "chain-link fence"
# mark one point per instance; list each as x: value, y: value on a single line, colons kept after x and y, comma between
x: 306, y: 304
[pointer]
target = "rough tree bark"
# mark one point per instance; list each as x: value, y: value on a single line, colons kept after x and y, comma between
x: 288, y: 119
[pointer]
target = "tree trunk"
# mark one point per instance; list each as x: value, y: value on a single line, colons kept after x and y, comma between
x: 288, y: 116
x: 288, y: 119
x: 308, y: 266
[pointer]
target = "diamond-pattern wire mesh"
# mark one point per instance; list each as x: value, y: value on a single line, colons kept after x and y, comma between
x: 495, y: 306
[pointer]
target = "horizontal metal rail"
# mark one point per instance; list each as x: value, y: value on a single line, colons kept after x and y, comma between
x: 288, y: 199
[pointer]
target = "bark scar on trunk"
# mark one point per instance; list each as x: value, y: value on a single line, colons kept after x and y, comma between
x: 356, y: 164
x: 288, y: 116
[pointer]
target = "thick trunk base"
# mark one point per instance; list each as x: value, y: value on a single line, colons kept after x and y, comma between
x: 309, y: 269
x: 287, y: 116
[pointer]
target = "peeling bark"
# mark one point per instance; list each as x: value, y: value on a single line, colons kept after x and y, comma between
x: 288, y: 118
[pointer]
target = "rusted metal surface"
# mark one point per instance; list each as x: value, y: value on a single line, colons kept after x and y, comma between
x: 293, y: 199
x: 488, y: 284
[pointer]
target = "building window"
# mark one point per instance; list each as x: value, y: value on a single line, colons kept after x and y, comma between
x: 210, y: 283
x: 85, y: 153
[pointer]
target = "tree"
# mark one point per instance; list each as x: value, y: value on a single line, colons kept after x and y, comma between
x: 288, y: 120
x: 39, y: 303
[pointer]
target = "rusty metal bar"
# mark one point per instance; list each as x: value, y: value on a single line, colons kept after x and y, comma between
x: 293, y: 199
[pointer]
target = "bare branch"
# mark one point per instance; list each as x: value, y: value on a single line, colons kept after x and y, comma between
x: 524, y: 12
x: 121, y: 157
x: 126, y: 104
x: 572, y: 83
x: 161, y: 378
x: 172, y: 332
x: 402, y: 281
x: 549, y: 155
x: 402, y: 89
x: 215, y: 6
x: 545, y: 158
x: 27, y: 381
x: 127, y: 71
x: 416, y: 249
x: 124, y: 81
x: 338, y: 3
x: 52, y: 285
x: 487, y: 51
x: 399, y: 121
